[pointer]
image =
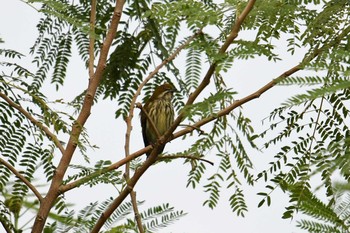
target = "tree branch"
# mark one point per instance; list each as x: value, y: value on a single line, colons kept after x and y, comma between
x: 206, y: 80
x: 77, y: 127
x: 152, y: 158
x: 22, y: 178
x: 136, y: 212
x: 35, y: 122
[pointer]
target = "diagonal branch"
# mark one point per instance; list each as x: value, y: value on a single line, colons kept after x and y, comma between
x: 136, y: 211
x: 206, y: 80
x: 152, y: 158
x: 22, y: 178
x: 37, y: 123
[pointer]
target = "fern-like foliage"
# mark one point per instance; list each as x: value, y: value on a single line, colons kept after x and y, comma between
x: 313, y: 128
x: 325, y: 217
x: 154, y: 218
x: 24, y: 145
x: 225, y: 143
x: 96, y: 175
x: 193, y: 69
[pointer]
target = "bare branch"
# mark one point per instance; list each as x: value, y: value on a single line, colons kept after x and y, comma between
x: 22, y: 178
x: 37, y: 123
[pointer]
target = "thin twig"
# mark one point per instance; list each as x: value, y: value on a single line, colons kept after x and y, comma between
x: 149, y: 120
x: 185, y: 157
x: 92, y: 38
x: 201, y: 132
x: 22, y: 178
x: 37, y: 123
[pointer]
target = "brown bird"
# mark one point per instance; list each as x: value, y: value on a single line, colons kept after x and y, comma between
x: 160, y: 111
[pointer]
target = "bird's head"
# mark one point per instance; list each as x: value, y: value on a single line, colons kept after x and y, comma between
x: 164, y: 91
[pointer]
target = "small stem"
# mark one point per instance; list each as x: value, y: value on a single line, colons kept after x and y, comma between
x: 92, y: 38
x: 153, y: 126
x: 186, y: 157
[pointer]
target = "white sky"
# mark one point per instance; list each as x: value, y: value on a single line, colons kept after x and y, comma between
x: 166, y: 183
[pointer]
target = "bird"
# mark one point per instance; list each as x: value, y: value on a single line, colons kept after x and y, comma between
x: 160, y: 111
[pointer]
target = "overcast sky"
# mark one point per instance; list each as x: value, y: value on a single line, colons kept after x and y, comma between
x: 166, y: 183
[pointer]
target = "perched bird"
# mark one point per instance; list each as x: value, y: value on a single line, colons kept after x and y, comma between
x: 160, y: 111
